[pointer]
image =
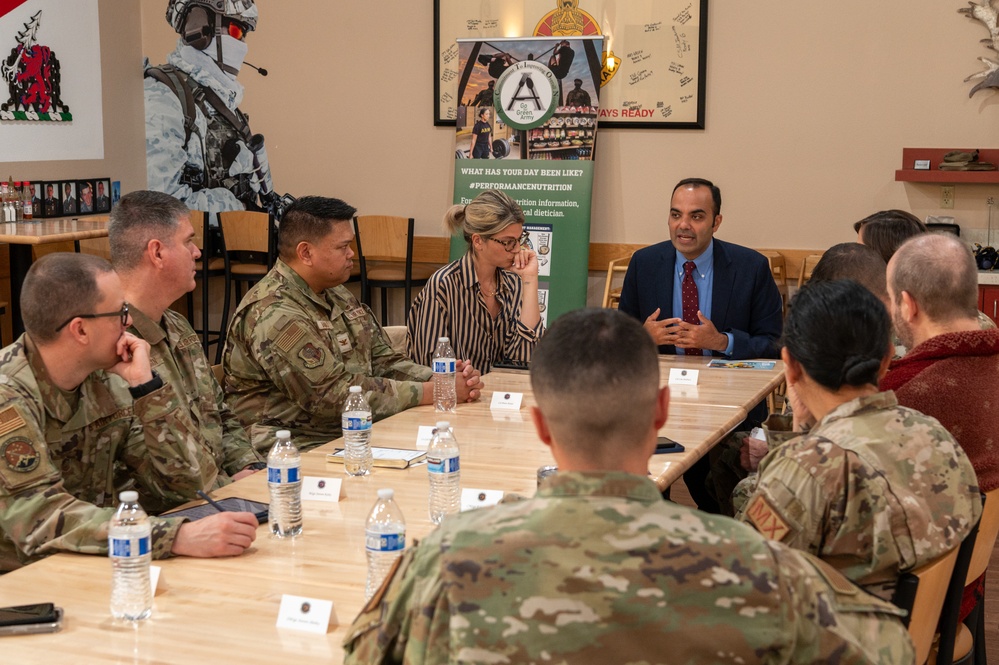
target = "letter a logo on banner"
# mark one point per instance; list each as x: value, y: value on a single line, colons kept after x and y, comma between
x: 527, y: 94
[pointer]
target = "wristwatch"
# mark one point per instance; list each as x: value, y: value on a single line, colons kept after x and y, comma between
x: 149, y: 386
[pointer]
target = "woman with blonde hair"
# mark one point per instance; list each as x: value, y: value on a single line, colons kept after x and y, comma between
x: 486, y: 302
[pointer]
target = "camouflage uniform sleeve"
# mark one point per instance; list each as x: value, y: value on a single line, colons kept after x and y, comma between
x: 301, y: 364
x: 163, y: 452
x: 787, y: 503
x: 236, y: 447
x: 829, y: 619
x: 37, y: 515
x: 408, y: 618
x: 388, y: 363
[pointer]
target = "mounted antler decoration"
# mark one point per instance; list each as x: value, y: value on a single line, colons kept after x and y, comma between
x: 984, y: 11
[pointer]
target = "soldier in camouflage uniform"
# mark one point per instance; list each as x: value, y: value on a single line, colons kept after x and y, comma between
x: 597, y: 568
x: 299, y: 339
x: 152, y: 249
x: 873, y: 488
x: 69, y: 426
x: 199, y: 147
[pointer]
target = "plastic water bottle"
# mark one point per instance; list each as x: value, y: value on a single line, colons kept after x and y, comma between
x: 444, y: 470
x: 384, y: 539
x: 444, y: 365
x: 356, y: 424
x: 130, y: 550
x: 285, y: 483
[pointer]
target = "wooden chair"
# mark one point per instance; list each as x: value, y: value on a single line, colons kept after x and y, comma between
x: 612, y: 295
x: 219, y: 374
x: 385, y: 252
x: 399, y: 338
x: 778, y: 268
x: 807, y: 266
x: 249, y: 251
x: 207, y: 267
x: 969, y: 638
x: 932, y: 596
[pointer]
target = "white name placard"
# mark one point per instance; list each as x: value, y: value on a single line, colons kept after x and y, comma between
x: 506, y: 401
x: 424, y: 435
x: 311, y: 615
x: 315, y: 488
x: 679, y: 376
x: 472, y: 498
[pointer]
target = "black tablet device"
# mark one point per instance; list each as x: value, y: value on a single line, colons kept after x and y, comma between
x: 232, y: 504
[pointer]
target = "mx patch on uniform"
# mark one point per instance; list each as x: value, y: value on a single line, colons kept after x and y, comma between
x: 20, y: 455
x: 766, y: 519
x: 312, y: 355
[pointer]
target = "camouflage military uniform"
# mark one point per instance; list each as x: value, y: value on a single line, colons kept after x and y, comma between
x: 874, y: 489
x: 59, y: 452
x: 291, y: 356
x: 597, y: 568
x: 166, y: 154
x: 176, y: 355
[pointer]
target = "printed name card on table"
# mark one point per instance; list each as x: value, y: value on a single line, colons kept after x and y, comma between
x: 311, y: 615
x: 424, y: 435
x: 315, y: 488
x: 679, y: 376
x: 503, y: 401
x: 472, y: 498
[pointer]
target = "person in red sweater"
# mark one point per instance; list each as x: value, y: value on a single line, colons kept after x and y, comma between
x: 950, y: 369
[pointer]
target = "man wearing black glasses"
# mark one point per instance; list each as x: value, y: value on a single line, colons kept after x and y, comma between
x: 153, y: 250
x: 82, y: 414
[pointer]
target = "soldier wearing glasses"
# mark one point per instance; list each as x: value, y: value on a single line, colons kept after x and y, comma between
x: 83, y: 416
x: 486, y: 302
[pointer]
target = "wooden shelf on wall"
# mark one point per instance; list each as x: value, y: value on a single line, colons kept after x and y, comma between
x: 936, y: 176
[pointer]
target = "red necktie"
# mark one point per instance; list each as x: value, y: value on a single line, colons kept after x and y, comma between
x: 688, y: 296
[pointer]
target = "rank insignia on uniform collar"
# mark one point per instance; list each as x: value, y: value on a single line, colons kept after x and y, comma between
x: 20, y: 455
x: 312, y: 355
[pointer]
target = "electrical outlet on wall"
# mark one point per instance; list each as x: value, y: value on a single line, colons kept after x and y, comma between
x: 947, y: 196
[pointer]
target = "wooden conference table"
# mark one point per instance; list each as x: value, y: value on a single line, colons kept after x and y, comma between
x: 23, y: 236
x: 225, y: 610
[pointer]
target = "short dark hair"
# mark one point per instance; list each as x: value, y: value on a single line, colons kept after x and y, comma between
x: 701, y: 182
x: 886, y: 230
x: 595, y: 376
x: 839, y: 333
x: 59, y: 286
x: 939, y: 272
x: 139, y: 217
x: 310, y: 219
x: 851, y: 260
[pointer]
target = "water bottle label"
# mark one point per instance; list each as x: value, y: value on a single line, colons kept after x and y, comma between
x: 289, y: 475
x: 445, y: 465
x: 356, y: 424
x: 385, y: 542
x: 129, y: 547
x: 443, y: 365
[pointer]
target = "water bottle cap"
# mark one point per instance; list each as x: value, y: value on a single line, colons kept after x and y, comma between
x: 443, y: 339
x: 386, y: 493
x: 443, y: 425
x: 355, y: 389
x: 283, y: 434
x: 128, y: 496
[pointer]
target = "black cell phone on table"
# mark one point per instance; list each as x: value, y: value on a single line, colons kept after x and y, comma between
x: 231, y: 504
x: 507, y: 363
x: 664, y: 444
x: 29, y: 619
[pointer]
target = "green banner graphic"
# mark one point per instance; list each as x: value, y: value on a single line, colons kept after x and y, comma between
x: 526, y: 125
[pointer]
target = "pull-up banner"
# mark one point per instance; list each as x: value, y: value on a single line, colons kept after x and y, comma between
x: 527, y: 125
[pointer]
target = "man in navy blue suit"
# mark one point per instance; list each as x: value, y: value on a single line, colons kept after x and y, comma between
x: 735, y: 311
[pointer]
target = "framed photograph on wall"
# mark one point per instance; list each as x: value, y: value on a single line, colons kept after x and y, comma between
x: 102, y: 197
x: 115, y: 192
x: 51, y: 203
x: 36, y: 199
x: 653, y: 62
x: 85, y: 197
x: 68, y: 200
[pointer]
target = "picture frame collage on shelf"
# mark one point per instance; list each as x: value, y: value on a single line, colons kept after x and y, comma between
x: 64, y: 198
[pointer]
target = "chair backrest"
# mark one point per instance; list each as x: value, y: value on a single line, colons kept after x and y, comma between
x: 807, y: 266
x: 219, y: 373
x: 778, y: 265
x: 988, y: 530
x: 199, y: 220
x: 384, y: 238
x: 398, y: 338
x: 613, y: 296
x: 246, y: 231
x: 922, y: 592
